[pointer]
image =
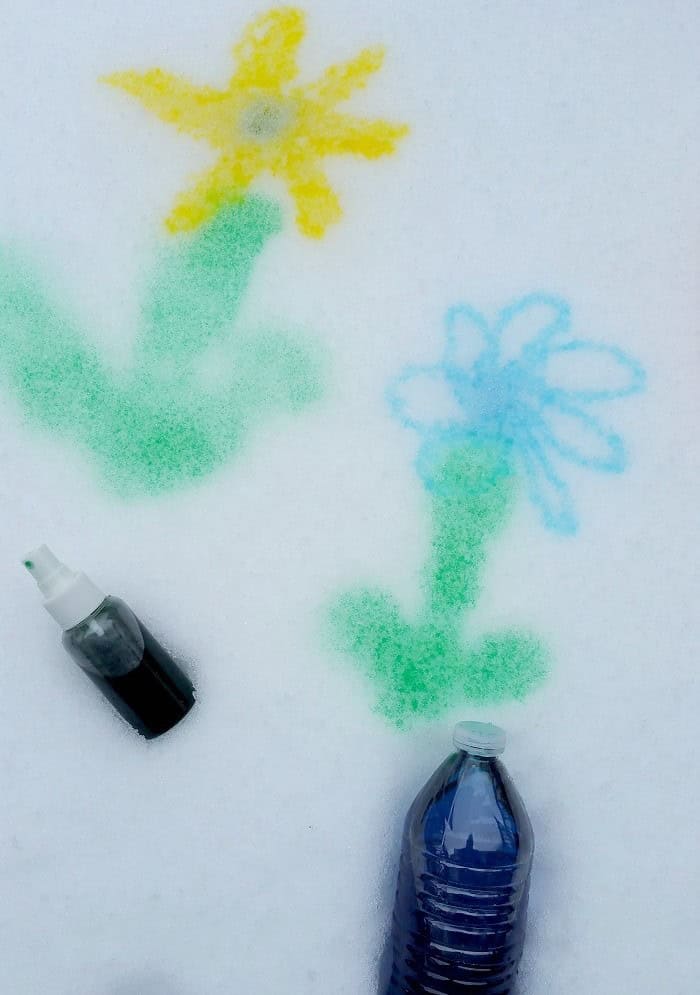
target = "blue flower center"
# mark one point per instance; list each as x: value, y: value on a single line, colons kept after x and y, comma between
x: 493, y: 400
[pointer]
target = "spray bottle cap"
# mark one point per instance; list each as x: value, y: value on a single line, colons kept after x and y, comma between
x: 70, y: 596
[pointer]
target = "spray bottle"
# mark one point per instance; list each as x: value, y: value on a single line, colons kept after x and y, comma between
x: 114, y: 649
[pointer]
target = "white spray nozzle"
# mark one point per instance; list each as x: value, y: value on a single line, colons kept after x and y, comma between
x: 47, y: 570
x: 70, y: 596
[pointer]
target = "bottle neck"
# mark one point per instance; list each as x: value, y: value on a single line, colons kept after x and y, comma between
x: 477, y: 759
x: 85, y: 620
x: 75, y: 602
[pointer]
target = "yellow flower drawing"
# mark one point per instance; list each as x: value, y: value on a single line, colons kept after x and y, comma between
x: 262, y: 122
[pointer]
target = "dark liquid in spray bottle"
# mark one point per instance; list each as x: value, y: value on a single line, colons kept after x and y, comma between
x: 131, y: 668
x: 116, y: 651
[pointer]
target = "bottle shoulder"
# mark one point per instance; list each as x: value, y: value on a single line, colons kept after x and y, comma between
x: 111, y: 612
x: 109, y: 641
x: 470, y: 810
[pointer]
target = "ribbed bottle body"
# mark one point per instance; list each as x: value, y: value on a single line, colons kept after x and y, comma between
x: 461, y: 901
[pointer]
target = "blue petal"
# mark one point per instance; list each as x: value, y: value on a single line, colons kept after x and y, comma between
x: 468, y: 338
x: 398, y: 395
x: 615, y: 372
x: 525, y: 328
x: 581, y: 439
x: 547, y: 491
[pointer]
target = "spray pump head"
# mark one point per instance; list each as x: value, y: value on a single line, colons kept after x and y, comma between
x: 69, y: 596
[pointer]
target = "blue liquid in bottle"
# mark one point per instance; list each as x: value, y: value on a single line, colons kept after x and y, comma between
x: 461, y: 901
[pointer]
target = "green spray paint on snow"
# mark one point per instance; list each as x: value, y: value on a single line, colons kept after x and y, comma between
x: 421, y: 669
x: 197, y: 385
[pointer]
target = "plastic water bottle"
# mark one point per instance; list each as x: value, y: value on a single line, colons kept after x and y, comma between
x: 464, y: 877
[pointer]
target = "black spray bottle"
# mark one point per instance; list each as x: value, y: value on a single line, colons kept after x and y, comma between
x: 113, y: 648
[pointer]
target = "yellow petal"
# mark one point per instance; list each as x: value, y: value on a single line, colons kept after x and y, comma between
x: 224, y: 183
x: 340, y: 134
x: 316, y: 202
x: 266, y: 54
x: 174, y: 99
x: 340, y: 81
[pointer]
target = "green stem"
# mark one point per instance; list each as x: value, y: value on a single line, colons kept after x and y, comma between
x: 163, y: 423
x: 197, y: 287
x: 473, y: 490
x: 421, y: 669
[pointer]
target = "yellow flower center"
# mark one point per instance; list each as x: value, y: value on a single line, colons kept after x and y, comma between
x: 264, y: 119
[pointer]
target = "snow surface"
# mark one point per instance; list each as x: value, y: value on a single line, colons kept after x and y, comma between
x: 554, y: 147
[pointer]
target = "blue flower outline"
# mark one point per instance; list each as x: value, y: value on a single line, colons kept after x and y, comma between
x: 513, y: 402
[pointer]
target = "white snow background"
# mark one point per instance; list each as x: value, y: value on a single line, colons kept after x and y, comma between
x: 554, y: 147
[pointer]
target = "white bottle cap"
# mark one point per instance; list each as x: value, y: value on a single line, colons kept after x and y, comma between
x: 70, y: 596
x: 480, y: 738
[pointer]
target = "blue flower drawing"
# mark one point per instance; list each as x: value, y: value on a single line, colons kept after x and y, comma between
x: 525, y: 383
